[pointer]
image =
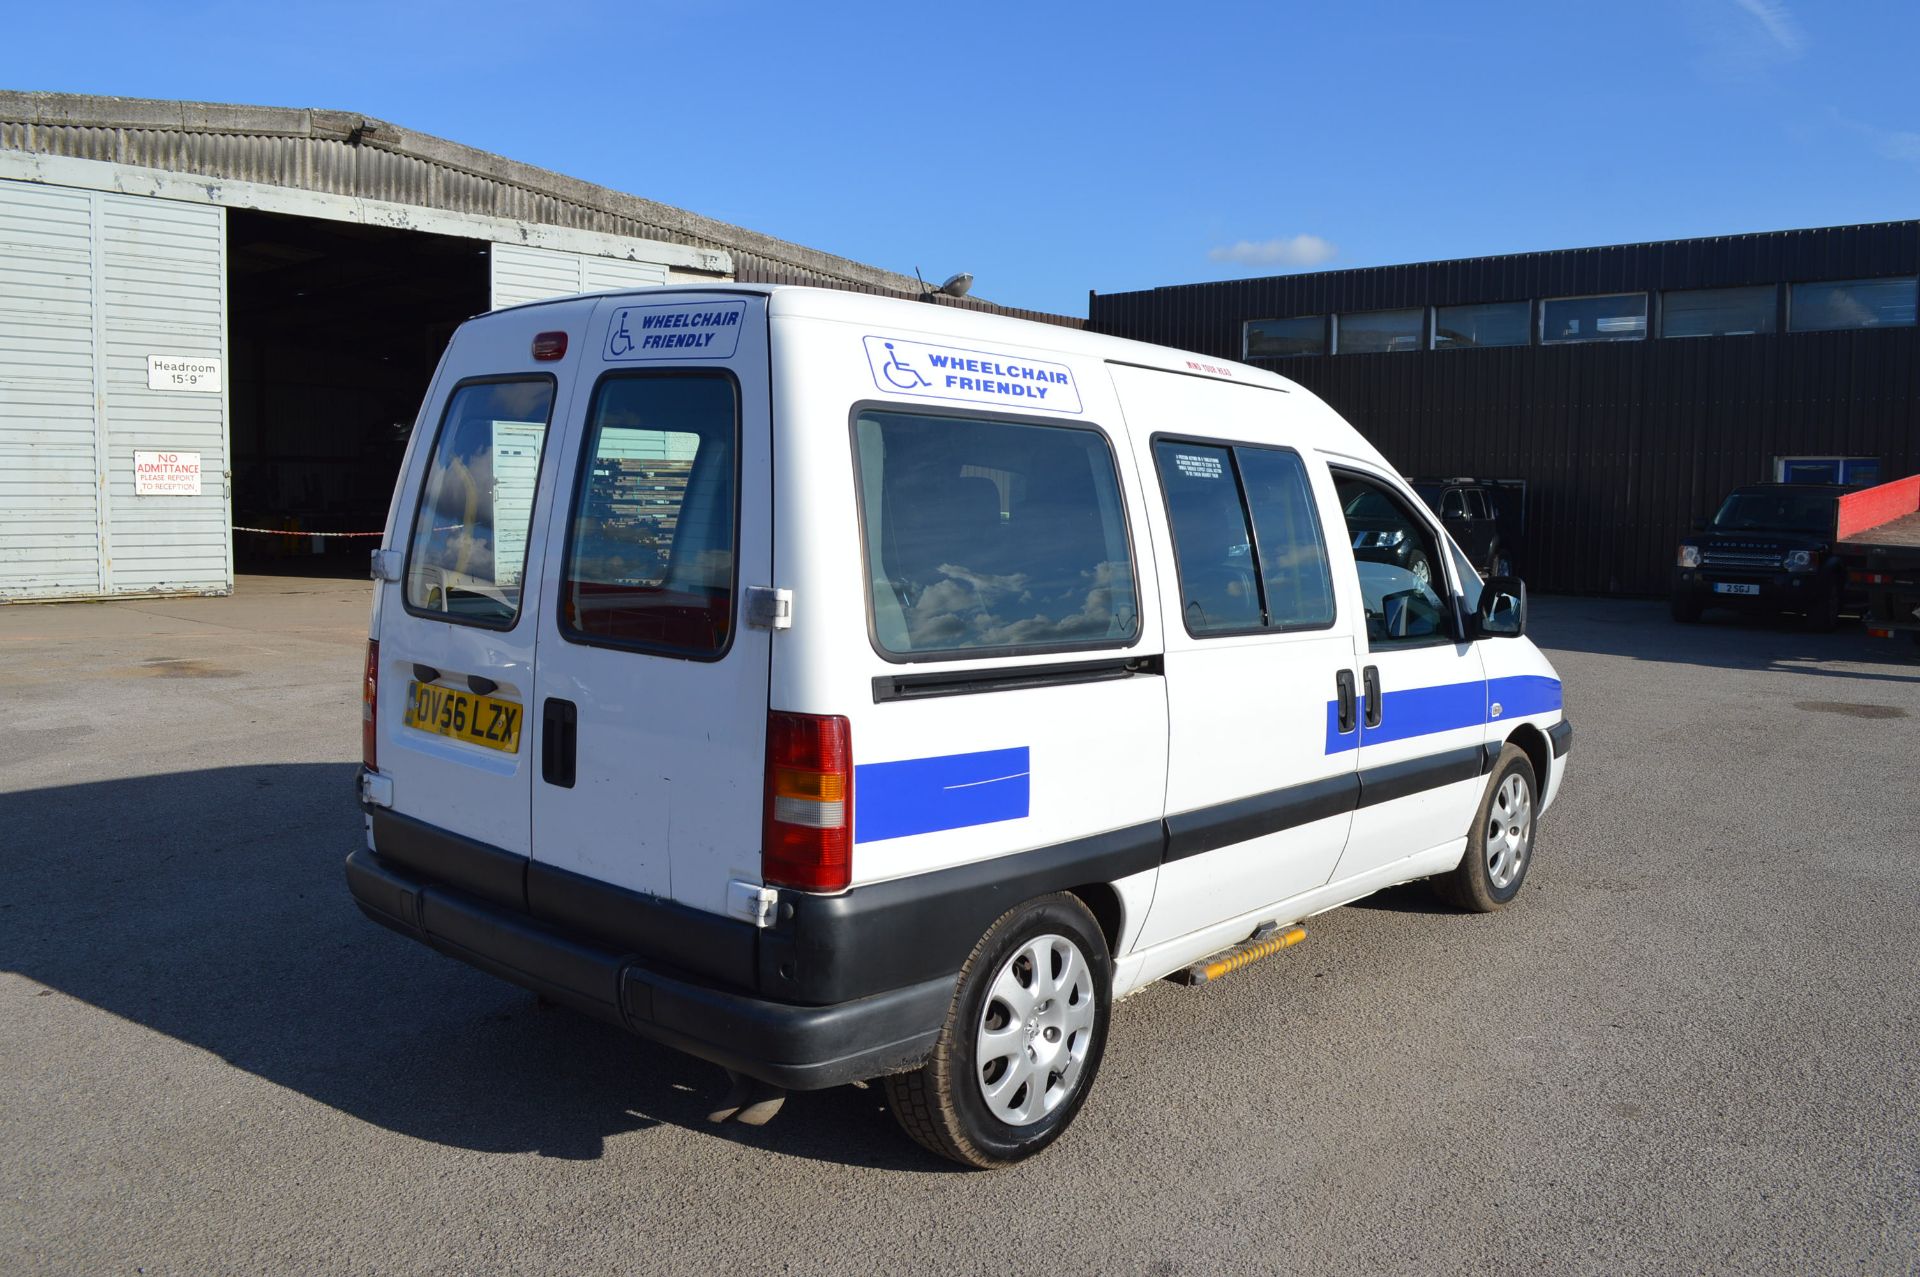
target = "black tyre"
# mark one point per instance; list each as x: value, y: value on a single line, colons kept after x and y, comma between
x: 1686, y: 609
x: 1824, y: 615
x: 1500, y: 844
x: 1022, y: 1042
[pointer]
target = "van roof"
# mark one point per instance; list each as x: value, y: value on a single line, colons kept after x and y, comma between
x: 1333, y: 432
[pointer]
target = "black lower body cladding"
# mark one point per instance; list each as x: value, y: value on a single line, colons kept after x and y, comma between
x: 797, y: 1047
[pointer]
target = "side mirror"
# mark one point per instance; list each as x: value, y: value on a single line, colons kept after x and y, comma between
x: 1502, y: 612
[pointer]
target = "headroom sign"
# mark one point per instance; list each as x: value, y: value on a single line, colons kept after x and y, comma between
x: 183, y: 373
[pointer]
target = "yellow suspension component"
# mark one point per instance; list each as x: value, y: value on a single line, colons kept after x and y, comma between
x: 1243, y: 955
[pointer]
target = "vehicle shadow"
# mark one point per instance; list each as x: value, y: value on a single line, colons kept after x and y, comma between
x: 211, y: 906
x: 1642, y: 630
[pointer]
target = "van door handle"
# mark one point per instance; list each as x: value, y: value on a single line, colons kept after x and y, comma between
x: 1344, y: 681
x: 1375, y: 710
x: 559, y: 736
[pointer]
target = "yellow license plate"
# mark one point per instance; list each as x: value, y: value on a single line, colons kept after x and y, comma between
x: 478, y: 720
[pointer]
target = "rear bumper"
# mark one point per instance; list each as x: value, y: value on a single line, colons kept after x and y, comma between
x: 797, y: 1047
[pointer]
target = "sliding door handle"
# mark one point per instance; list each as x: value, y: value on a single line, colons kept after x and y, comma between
x: 1375, y: 710
x: 1344, y: 682
x: 559, y: 737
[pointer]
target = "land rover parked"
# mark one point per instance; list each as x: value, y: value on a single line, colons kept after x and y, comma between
x: 838, y: 688
x: 1483, y: 518
x: 1768, y: 549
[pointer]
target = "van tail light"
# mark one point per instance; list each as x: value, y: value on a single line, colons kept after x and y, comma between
x: 370, y: 709
x: 808, y: 840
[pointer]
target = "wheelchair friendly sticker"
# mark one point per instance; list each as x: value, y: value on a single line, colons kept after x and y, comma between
x: 903, y: 367
x: 690, y: 330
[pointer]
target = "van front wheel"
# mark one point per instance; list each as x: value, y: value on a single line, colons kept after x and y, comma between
x: 1500, y: 844
x: 1022, y: 1040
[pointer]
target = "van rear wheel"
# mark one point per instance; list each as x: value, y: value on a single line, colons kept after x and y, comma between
x: 1022, y: 1040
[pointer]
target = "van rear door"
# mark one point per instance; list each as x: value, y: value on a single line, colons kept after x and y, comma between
x: 457, y: 630
x: 652, y: 689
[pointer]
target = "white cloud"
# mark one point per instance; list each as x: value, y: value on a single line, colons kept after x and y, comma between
x: 1898, y: 145
x: 1299, y: 250
x: 1904, y: 147
x: 1778, y: 23
x: 1743, y: 41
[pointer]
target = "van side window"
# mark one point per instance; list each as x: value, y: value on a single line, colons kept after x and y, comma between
x: 650, y: 550
x: 468, y: 550
x: 988, y: 535
x: 1402, y: 574
x: 1233, y: 580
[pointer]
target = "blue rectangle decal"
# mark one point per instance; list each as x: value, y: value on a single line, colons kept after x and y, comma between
x: 952, y: 791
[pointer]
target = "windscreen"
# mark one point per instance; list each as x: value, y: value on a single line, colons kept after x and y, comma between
x: 1780, y: 511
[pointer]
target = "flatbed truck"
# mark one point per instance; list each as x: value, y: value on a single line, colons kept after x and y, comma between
x: 1878, y: 542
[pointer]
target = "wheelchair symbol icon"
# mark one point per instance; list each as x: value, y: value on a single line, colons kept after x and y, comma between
x: 621, y: 342
x: 901, y: 373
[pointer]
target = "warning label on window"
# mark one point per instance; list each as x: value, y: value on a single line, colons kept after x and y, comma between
x: 1199, y: 467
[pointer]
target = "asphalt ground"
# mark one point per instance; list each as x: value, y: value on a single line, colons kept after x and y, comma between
x: 1692, y: 1045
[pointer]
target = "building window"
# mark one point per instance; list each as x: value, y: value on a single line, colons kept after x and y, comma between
x: 1851, y: 303
x: 1614, y: 317
x: 1373, y: 331
x: 1863, y: 471
x: 1277, y: 338
x: 1718, y: 312
x: 1487, y: 324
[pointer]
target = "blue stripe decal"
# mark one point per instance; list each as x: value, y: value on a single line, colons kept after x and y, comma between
x: 953, y: 791
x: 1524, y: 694
x: 1423, y: 711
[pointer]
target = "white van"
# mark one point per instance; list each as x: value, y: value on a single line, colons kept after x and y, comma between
x: 835, y: 687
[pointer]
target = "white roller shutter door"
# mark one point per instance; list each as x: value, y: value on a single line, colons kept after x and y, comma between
x: 91, y: 284
x: 522, y: 274
x: 50, y: 476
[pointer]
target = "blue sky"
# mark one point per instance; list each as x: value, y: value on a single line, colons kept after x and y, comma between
x: 1054, y: 148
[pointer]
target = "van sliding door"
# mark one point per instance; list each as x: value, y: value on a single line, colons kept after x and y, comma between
x: 1260, y: 791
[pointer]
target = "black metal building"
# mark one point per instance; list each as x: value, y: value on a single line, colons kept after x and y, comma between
x: 1628, y: 387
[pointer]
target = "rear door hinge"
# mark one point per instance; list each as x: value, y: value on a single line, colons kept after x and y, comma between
x: 768, y: 608
x: 385, y: 565
x: 751, y: 902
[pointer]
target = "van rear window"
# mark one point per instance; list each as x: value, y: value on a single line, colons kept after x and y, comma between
x: 650, y: 554
x: 987, y: 536
x: 469, y: 545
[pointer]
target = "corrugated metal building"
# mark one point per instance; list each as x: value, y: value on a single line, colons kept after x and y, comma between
x: 215, y: 316
x: 1628, y: 387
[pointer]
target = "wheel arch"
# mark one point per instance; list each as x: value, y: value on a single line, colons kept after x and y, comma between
x: 1103, y: 902
x: 1539, y: 751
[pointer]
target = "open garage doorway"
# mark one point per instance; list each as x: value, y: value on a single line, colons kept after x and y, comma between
x: 335, y: 332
